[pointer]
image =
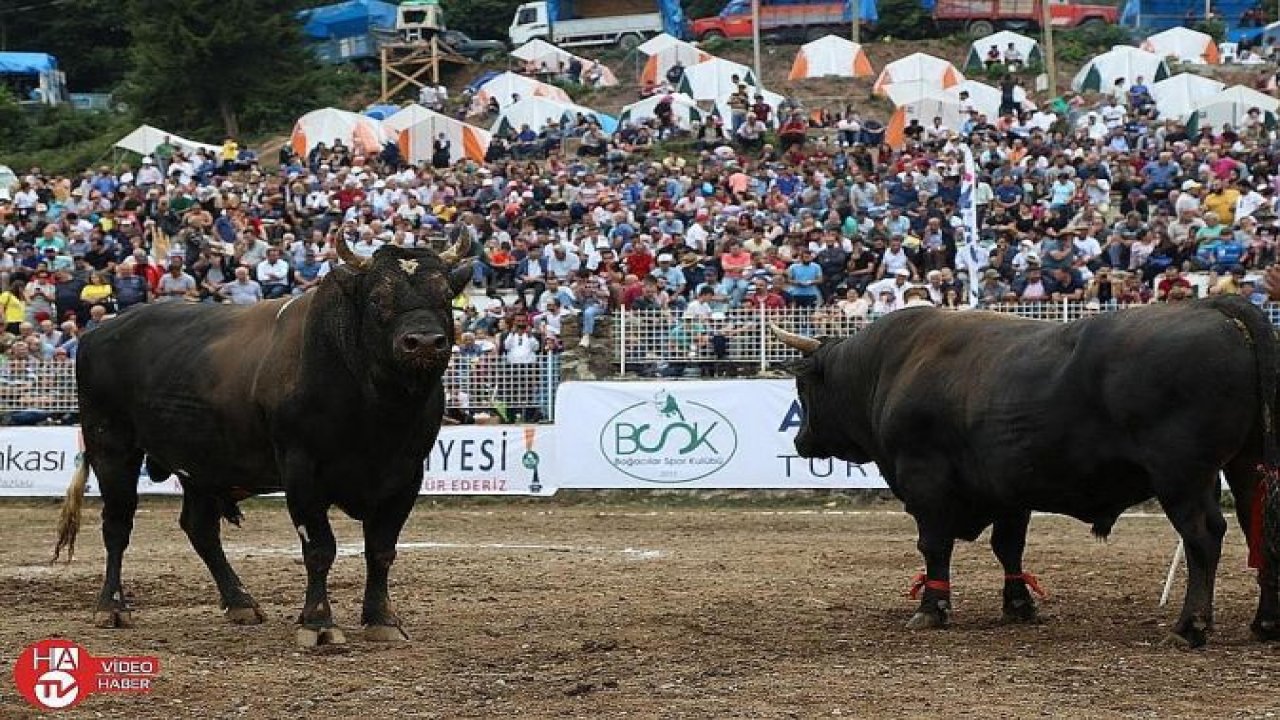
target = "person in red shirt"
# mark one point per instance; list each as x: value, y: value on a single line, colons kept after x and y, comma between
x: 764, y: 295
x: 639, y: 260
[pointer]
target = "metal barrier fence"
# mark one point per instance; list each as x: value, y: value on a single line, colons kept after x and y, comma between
x: 32, y: 391
x: 666, y: 342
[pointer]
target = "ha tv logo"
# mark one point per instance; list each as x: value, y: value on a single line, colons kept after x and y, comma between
x: 669, y: 441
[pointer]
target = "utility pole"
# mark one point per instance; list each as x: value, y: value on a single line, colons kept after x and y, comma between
x: 855, y: 10
x: 755, y: 40
x: 1050, y: 57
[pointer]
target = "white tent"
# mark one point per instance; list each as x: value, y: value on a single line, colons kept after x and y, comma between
x: 684, y: 110
x: 1176, y: 96
x: 664, y: 55
x: 1028, y: 49
x: 984, y: 98
x: 8, y: 182
x: 830, y: 55
x: 417, y: 139
x: 537, y: 111
x: 1120, y: 63
x: 359, y: 132
x: 923, y: 110
x: 774, y: 99
x: 713, y: 79
x: 1231, y: 107
x: 543, y: 54
x: 145, y: 139
x: 406, y: 116
x: 918, y: 67
x: 503, y: 87
x: 1184, y: 45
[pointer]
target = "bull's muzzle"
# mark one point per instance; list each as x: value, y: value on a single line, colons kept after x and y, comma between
x: 420, y: 346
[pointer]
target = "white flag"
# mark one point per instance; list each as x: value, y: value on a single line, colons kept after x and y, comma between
x: 970, y: 255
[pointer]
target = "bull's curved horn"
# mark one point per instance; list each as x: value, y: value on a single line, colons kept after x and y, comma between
x: 344, y: 252
x: 804, y: 344
x: 455, y: 251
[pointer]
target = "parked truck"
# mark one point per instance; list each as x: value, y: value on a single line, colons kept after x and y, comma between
x: 568, y: 23
x: 983, y: 17
x: 785, y: 20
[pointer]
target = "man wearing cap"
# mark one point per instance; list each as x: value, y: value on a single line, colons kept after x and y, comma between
x: 897, y: 284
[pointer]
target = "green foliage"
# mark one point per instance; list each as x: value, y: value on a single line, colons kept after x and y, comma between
x: 694, y: 9
x: 203, y: 65
x: 903, y: 19
x: 483, y: 19
x: 58, y: 139
x: 90, y: 39
x: 1215, y: 28
x: 1080, y: 44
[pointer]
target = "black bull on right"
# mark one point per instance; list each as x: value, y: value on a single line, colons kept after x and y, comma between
x: 977, y: 419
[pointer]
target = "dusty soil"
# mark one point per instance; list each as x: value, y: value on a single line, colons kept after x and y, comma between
x: 627, y: 610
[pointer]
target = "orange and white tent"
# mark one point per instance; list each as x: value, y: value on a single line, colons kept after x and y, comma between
x: 918, y: 67
x: 543, y: 54
x: 1184, y: 45
x: 663, y: 52
x: 361, y: 133
x: 950, y: 112
x: 417, y: 139
x: 830, y: 56
x: 503, y: 87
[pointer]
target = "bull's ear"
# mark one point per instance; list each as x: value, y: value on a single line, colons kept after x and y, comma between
x: 460, y: 275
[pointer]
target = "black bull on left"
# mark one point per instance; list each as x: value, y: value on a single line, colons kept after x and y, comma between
x: 977, y: 419
x: 334, y: 397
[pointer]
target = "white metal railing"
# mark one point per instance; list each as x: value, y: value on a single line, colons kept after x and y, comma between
x: 666, y: 342
x: 35, y: 391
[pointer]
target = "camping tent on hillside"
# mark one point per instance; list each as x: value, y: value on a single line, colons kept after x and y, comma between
x: 536, y: 111
x: 145, y: 139
x: 663, y: 52
x: 713, y: 79
x: 543, y: 54
x: 417, y: 139
x: 360, y: 133
x: 983, y: 98
x: 772, y: 98
x: 684, y: 111
x: 406, y: 116
x: 503, y: 87
x: 1176, y: 96
x: 918, y: 67
x: 830, y: 56
x: 1184, y: 45
x: 1232, y: 107
x: 923, y: 110
x: 1120, y: 63
x: 1028, y: 49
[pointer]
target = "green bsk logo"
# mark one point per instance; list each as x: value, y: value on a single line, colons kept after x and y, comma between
x: 668, y: 440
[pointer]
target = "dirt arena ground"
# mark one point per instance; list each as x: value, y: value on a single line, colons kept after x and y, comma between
x: 645, y: 611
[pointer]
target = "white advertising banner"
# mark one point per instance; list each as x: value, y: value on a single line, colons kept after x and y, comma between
x: 690, y: 434
x: 466, y: 460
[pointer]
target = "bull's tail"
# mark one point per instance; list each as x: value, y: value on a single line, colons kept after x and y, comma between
x: 1264, y: 530
x: 72, y: 505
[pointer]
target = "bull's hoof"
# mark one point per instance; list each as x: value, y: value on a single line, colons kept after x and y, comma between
x: 1189, y: 634
x: 113, y: 618
x: 926, y: 621
x: 1265, y: 630
x: 251, y: 615
x: 385, y: 633
x: 315, y: 637
x: 1020, y: 614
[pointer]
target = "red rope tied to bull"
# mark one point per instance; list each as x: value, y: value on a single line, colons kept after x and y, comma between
x: 922, y: 581
x: 1032, y: 583
x: 1261, y: 534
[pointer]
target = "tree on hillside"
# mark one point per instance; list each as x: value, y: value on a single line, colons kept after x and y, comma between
x: 203, y: 63
x: 89, y: 38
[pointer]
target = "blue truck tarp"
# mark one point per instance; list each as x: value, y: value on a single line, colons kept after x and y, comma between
x: 1153, y: 16
x: 348, y: 19
x: 26, y: 63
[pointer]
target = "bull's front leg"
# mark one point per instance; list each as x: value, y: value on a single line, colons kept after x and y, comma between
x: 381, y: 531
x: 309, y: 510
x: 935, y: 544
